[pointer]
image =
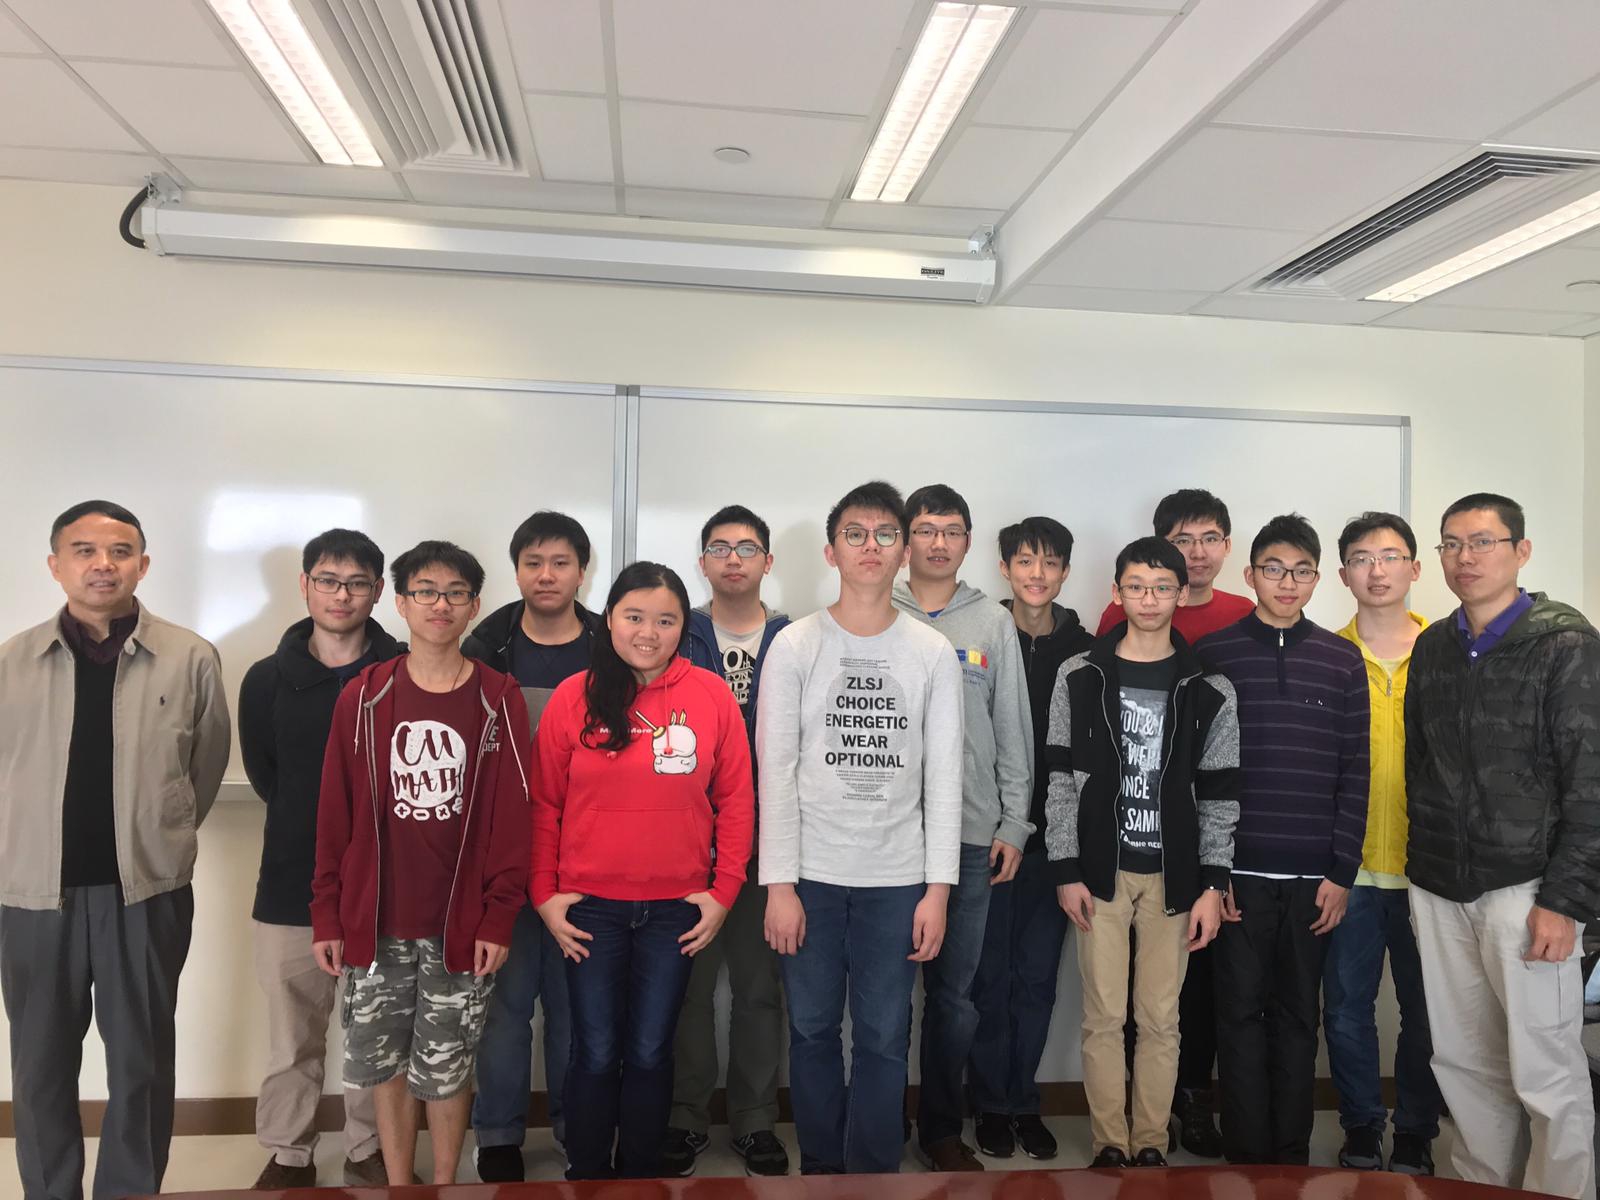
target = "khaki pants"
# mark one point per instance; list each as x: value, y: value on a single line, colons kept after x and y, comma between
x: 1507, y: 1044
x: 300, y: 1000
x: 1158, y: 970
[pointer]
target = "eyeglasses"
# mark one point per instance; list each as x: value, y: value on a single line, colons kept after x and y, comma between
x: 927, y: 533
x: 1365, y: 562
x: 1276, y: 571
x: 1209, y: 540
x: 1451, y: 547
x: 743, y: 550
x: 1136, y: 591
x: 428, y: 597
x: 329, y: 585
x: 857, y: 535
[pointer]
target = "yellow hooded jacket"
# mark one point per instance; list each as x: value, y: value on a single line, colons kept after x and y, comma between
x: 1384, y: 849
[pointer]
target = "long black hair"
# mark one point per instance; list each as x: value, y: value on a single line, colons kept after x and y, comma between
x: 611, y: 687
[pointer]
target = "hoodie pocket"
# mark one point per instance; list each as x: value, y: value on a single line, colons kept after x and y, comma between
x: 634, y: 847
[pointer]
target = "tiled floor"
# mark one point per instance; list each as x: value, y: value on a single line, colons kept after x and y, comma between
x: 232, y: 1162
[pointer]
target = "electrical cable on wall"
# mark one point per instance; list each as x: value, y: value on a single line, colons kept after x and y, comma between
x: 125, y: 225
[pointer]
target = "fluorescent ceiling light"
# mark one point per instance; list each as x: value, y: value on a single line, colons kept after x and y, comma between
x: 275, y: 40
x: 1566, y: 221
x: 955, y: 46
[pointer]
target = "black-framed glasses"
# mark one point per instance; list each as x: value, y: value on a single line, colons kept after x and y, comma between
x: 743, y: 550
x: 330, y: 586
x: 428, y: 597
x: 857, y: 535
x: 1209, y: 540
x: 1276, y: 571
x: 1365, y: 562
x: 1136, y: 591
x: 1451, y: 547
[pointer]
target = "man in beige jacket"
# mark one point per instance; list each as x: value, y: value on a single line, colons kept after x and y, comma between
x: 113, y: 739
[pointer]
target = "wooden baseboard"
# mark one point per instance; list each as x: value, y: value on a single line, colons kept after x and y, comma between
x: 237, y: 1114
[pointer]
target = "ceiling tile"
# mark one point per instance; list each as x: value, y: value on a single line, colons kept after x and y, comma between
x: 990, y: 168
x: 818, y: 56
x: 13, y: 40
x: 1039, y: 295
x: 723, y: 208
x: 42, y: 105
x: 572, y: 137
x: 1452, y: 69
x: 1149, y: 256
x: 1537, y: 282
x: 1425, y: 315
x: 1063, y: 66
x: 162, y: 31
x: 76, y: 166
x: 290, y: 179
x: 1164, y: 5
x: 1581, y: 329
x: 670, y: 146
x: 191, y: 110
x: 1306, y: 309
x: 913, y: 218
x: 470, y: 189
x: 1264, y: 179
x: 1574, y: 124
x: 557, y: 47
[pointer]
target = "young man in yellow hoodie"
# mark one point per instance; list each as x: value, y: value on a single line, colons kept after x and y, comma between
x: 1378, y: 556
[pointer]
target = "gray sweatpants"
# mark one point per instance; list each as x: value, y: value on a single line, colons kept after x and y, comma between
x: 120, y: 963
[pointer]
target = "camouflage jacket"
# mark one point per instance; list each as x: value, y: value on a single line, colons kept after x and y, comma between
x: 1503, y: 761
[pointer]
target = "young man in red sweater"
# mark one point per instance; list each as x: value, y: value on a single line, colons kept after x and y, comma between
x: 422, y: 859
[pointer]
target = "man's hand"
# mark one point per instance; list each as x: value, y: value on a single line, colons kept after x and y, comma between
x: 712, y: 915
x: 1077, y: 903
x: 1205, y: 918
x: 1009, y: 858
x: 1230, y: 908
x: 785, y: 925
x: 927, y: 923
x: 553, y: 912
x: 1550, y: 936
x: 1332, y: 900
x: 329, y: 956
x: 487, y: 957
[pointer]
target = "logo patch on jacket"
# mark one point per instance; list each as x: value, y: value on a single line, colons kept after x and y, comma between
x: 973, y: 657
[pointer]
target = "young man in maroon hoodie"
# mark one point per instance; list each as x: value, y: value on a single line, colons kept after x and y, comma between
x: 423, y: 844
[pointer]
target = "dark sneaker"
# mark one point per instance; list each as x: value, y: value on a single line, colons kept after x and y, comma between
x: 1149, y: 1157
x: 1036, y: 1140
x: 369, y: 1172
x: 1362, y: 1149
x: 1197, y: 1131
x: 1412, y: 1155
x: 498, y: 1164
x: 679, y: 1149
x: 949, y: 1154
x: 275, y: 1177
x: 992, y: 1132
x: 1110, y: 1156
x: 763, y: 1153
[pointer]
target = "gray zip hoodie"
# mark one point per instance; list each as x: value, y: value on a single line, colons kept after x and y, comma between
x: 997, y: 758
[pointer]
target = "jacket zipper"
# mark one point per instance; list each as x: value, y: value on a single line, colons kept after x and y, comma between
x: 1283, y: 671
x: 1116, y: 753
x: 377, y: 833
x: 466, y: 827
x: 1161, y: 787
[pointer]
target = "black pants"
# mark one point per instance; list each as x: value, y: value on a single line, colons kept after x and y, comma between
x: 120, y: 963
x: 1268, y: 980
x: 1197, y: 1022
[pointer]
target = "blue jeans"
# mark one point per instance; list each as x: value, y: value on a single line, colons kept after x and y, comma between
x: 625, y: 997
x: 1378, y: 918
x: 505, y: 1052
x: 1015, y: 989
x: 949, y: 1017
x: 857, y: 943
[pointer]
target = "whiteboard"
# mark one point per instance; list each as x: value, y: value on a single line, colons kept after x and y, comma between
x: 232, y: 472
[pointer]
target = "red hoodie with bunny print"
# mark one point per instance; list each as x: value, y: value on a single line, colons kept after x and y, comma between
x: 642, y: 823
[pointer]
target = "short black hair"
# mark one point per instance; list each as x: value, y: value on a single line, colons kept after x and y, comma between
x: 1290, y: 529
x: 1154, y: 552
x: 547, y: 525
x: 1507, y: 509
x: 939, y: 500
x: 1369, y: 523
x: 343, y: 545
x: 442, y: 554
x: 1190, y: 504
x: 875, y: 495
x: 104, y: 508
x: 1045, y: 535
x: 736, y: 514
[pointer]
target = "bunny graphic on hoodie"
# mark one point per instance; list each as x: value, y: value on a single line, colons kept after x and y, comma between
x: 673, y: 744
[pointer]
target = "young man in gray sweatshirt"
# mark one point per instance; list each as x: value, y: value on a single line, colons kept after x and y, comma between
x: 858, y: 734
x: 996, y: 792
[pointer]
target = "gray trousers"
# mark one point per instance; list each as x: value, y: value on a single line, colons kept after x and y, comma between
x: 120, y: 964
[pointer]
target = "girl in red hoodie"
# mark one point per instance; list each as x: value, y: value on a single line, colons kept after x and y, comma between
x: 643, y: 819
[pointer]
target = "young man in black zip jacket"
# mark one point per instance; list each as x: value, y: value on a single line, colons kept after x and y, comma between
x: 1015, y: 988
x: 1140, y: 816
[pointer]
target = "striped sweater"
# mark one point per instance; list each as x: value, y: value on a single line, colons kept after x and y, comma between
x: 1303, y: 739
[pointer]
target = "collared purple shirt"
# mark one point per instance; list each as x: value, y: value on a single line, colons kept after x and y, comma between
x: 1495, y: 629
x: 81, y: 641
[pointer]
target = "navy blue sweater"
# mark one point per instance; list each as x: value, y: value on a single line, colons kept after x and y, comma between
x: 1304, y: 728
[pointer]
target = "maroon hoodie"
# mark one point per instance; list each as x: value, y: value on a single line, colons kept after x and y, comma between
x: 491, y: 877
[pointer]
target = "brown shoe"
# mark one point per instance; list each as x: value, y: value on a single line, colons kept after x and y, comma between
x: 369, y: 1172
x: 275, y: 1176
x: 949, y: 1154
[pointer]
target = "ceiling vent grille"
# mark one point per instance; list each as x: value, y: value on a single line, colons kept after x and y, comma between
x: 422, y: 67
x: 1495, y: 190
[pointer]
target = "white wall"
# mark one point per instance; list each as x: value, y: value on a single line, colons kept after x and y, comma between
x: 1488, y: 412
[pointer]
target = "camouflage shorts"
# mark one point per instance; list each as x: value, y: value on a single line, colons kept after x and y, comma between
x: 408, y: 1013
